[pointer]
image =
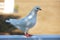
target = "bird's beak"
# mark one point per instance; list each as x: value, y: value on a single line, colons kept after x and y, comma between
x: 40, y: 9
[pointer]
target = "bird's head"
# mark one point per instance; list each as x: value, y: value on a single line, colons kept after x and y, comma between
x: 36, y: 8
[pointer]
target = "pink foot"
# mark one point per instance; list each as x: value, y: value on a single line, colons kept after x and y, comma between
x: 28, y: 35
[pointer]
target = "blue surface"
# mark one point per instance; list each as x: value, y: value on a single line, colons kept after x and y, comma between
x: 35, y: 37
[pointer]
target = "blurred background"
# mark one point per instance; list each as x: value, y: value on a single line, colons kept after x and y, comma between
x: 48, y: 19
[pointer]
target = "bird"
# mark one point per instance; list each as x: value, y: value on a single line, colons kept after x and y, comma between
x: 26, y: 23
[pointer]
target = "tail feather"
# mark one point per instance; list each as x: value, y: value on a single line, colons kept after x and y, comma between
x: 7, y: 21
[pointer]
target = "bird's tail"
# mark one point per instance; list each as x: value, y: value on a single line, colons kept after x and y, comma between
x: 7, y: 21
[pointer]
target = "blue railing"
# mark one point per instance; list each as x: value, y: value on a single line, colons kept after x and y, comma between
x: 34, y: 37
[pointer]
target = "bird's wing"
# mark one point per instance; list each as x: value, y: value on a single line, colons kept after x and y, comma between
x: 20, y: 24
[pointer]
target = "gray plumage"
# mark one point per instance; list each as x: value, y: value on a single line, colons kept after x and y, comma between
x: 27, y: 22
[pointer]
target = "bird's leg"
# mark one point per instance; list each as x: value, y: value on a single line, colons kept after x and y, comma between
x: 26, y: 33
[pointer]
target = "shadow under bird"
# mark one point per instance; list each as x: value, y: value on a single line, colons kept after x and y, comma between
x: 24, y: 24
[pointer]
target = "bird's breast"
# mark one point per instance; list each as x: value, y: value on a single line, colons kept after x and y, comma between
x: 31, y: 22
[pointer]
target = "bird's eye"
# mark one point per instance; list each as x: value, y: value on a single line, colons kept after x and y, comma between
x: 37, y: 8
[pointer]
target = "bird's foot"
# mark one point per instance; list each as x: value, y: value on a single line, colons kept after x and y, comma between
x: 28, y: 35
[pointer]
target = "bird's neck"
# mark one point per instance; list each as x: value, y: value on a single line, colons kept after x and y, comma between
x: 32, y: 14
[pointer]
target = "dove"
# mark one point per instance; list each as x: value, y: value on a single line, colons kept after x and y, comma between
x: 26, y: 23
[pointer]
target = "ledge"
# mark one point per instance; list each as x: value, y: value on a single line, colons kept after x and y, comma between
x: 34, y: 37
